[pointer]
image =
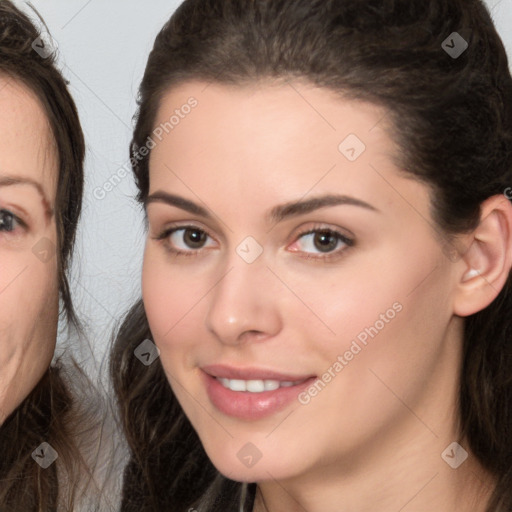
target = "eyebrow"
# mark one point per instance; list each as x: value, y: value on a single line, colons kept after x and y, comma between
x: 7, y: 181
x: 276, y: 214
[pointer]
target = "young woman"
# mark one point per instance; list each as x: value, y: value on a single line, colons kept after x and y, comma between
x: 44, y: 432
x: 325, y: 322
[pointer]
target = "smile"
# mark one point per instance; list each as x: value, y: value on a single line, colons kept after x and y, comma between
x: 252, y: 393
x: 256, y: 386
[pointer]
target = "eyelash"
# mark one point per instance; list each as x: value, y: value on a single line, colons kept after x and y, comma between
x: 328, y: 256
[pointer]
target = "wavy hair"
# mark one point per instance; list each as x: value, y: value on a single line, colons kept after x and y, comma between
x: 452, y: 120
x: 50, y: 412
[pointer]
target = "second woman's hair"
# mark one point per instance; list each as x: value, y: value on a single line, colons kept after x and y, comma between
x: 451, y: 119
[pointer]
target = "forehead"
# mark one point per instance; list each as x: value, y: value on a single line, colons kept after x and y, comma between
x: 27, y: 148
x: 259, y: 108
x: 265, y: 136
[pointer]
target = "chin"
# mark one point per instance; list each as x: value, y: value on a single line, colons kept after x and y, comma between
x: 250, y: 465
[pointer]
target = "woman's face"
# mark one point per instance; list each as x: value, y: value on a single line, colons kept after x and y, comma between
x: 308, y: 311
x: 28, y: 240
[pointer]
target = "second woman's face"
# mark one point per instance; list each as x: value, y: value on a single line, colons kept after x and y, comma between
x: 293, y: 280
x: 28, y: 240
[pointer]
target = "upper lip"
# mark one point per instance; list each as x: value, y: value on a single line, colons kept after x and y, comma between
x: 251, y: 373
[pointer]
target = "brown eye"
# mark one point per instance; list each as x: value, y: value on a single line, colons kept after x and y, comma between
x: 194, y: 238
x: 186, y: 240
x: 325, y: 241
x: 322, y: 241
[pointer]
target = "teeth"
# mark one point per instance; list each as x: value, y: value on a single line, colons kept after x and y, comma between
x: 255, y: 386
x: 271, y: 385
x: 236, y: 385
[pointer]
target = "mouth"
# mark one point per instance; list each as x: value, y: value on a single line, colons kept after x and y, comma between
x: 257, y: 386
x: 252, y: 393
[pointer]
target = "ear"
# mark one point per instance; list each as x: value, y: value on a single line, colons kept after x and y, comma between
x: 485, y: 266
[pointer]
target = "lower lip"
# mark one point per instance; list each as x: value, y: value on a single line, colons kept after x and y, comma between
x: 251, y: 406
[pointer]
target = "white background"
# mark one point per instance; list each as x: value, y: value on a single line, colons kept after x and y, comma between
x: 103, y: 46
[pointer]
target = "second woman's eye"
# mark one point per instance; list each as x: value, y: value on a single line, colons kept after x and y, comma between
x: 8, y: 221
x: 191, y: 240
x: 185, y: 239
x: 321, y: 241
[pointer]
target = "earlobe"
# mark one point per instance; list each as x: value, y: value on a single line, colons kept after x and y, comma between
x: 485, y: 266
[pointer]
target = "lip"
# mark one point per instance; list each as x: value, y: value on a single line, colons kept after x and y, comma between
x: 244, y: 404
x: 251, y: 373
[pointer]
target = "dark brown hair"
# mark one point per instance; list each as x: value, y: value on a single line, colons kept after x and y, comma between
x: 452, y: 120
x: 48, y: 413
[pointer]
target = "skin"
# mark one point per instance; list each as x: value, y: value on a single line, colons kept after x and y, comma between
x: 374, y: 435
x: 28, y: 285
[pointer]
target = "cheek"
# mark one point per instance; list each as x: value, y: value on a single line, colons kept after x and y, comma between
x: 171, y: 298
x: 387, y: 310
x: 172, y: 302
x: 28, y: 324
x: 369, y: 285
x: 390, y: 324
x: 29, y: 289
x: 160, y: 295
x: 330, y: 307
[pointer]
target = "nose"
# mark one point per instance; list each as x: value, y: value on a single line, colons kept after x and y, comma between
x: 244, y: 304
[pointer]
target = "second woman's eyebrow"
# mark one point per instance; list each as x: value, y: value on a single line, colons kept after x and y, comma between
x: 277, y: 213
